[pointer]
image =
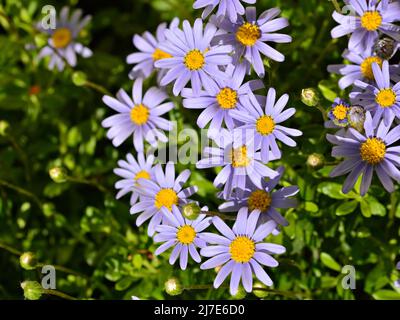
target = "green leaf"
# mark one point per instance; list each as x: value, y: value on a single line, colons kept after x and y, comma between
x: 137, y: 261
x: 311, y: 207
x: 377, y: 209
x: 346, y: 208
x: 371, y: 206
x: 365, y: 209
x: 328, y: 94
x: 123, y: 284
x: 329, y: 262
x: 386, y: 295
x: 334, y: 191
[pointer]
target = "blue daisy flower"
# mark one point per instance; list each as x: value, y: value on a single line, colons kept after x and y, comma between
x: 241, y: 251
x: 149, y: 52
x: 161, y: 195
x: 219, y: 100
x: 140, y: 116
x: 369, y: 18
x: 193, y: 58
x: 267, y: 200
x: 63, y: 46
x: 229, y: 8
x: 248, y: 37
x: 266, y: 123
x: 131, y: 170
x: 366, y: 153
x: 182, y: 234
x: 235, y: 152
x: 382, y: 98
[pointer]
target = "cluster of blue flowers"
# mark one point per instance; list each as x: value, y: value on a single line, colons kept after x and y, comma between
x: 369, y: 132
x: 205, y: 63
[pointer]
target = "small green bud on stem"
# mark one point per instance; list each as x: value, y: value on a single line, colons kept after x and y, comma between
x: 32, y: 290
x: 310, y: 97
x: 58, y: 174
x: 28, y: 261
x: 173, y: 287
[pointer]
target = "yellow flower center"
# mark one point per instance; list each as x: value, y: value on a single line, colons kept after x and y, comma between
x: 159, y: 55
x: 194, y: 60
x: 371, y: 20
x: 227, y: 98
x: 239, y: 157
x: 366, y: 67
x: 248, y: 34
x: 139, y: 114
x: 373, y: 151
x: 260, y: 200
x: 61, y: 38
x: 242, y: 249
x: 142, y: 175
x: 186, y: 234
x: 166, y: 198
x: 340, y: 112
x: 265, y: 125
x: 386, y: 98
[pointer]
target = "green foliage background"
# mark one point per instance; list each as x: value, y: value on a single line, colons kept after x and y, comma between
x: 80, y: 226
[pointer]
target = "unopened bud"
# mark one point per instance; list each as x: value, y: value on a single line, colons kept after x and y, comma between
x: 32, y: 290
x: 28, y: 261
x: 316, y: 161
x: 191, y: 211
x: 79, y: 78
x: 310, y: 97
x: 58, y: 174
x: 49, y: 209
x: 4, y: 126
x: 356, y: 117
x: 260, y: 290
x: 173, y: 287
x: 385, y: 48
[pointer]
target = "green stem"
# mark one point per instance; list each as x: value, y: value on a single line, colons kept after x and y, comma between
x: 393, y: 207
x: 22, y: 191
x: 22, y: 155
x: 58, y: 294
x: 88, y: 182
x: 323, y: 112
x: 336, y: 5
x: 40, y: 265
x: 217, y: 214
x: 97, y: 88
x: 64, y: 269
x: 10, y: 249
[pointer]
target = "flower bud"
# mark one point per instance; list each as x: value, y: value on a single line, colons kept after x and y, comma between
x: 4, y: 126
x: 316, y: 161
x: 241, y: 294
x: 260, y: 293
x: 191, y: 211
x: 79, y: 78
x: 32, y: 290
x: 28, y: 261
x: 310, y: 97
x: 48, y: 209
x: 173, y: 287
x: 385, y: 48
x: 58, y: 174
x: 356, y: 117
